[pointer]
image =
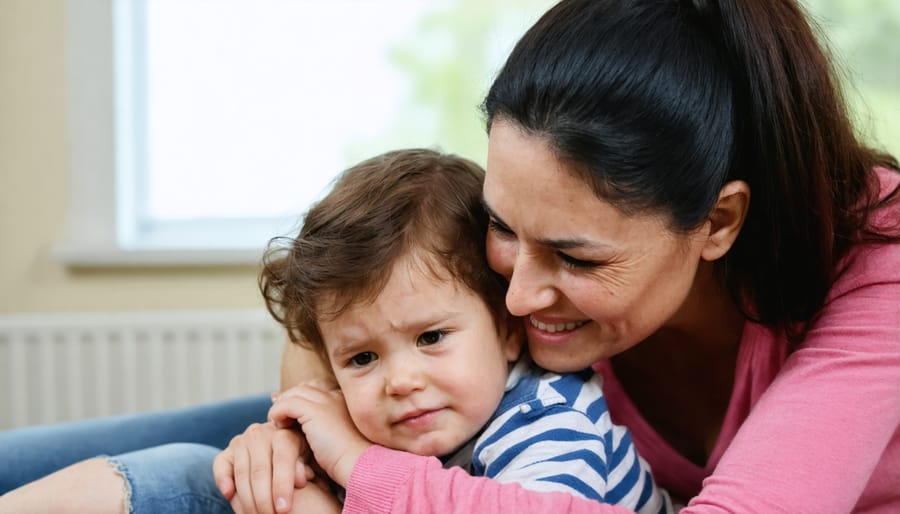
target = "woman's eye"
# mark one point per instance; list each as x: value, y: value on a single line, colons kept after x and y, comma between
x: 499, y: 228
x: 363, y: 359
x: 572, y: 262
x: 431, y: 337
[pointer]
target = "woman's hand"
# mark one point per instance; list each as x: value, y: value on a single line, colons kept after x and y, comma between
x: 260, y: 469
x: 330, y: 433
x: 315, y: 498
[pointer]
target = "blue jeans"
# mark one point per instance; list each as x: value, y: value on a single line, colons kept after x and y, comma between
x: 163, y: 477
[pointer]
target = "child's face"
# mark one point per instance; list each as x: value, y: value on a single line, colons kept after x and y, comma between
x: 423, y: 367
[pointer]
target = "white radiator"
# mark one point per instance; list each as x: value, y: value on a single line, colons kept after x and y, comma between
x: 58, y: 367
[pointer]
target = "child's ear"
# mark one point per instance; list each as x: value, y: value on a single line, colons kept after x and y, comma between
x: 512, y: 335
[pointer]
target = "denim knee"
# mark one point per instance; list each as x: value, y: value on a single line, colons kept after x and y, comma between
x: 174, y: 477
x: 27, y: 454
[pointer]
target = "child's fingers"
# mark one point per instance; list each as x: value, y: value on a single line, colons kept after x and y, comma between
x: 323, y: 383
x: 293, y: 403
x: 319, y: 384
x: 314, y: 391
x: 282, y: 421
x: 288, y: 409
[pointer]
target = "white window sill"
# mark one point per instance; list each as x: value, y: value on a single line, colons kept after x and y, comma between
x: 83, y: 256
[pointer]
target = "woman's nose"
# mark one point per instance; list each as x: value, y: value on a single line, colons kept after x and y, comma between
x: 531, y: 287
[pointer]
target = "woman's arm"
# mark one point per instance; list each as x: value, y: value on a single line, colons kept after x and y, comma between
x: 376, y: 477
x: 814, y: 440
x: 299, y: 365
x: 389, y: 481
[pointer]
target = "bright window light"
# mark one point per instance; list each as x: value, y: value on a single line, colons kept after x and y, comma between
x: 202, y: 128
x: 251, y: 107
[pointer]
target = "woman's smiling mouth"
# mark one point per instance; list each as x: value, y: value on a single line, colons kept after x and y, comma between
x: 556, y: 327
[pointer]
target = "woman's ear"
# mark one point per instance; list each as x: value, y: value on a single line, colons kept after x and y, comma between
x: 726, y: 219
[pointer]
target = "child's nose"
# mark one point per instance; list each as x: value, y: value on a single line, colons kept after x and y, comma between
x: 404, y: 376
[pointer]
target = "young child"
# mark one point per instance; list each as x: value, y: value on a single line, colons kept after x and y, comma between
x: 388, y: 282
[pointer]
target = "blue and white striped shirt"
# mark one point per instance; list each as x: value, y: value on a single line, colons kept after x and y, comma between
x: 553, y: 432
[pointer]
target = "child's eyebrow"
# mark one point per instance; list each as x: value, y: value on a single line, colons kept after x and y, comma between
x: 346, y: 348
x: 431, y: 320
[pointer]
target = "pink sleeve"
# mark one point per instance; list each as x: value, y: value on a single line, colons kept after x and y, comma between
x: 388, y: 481
x: 814, y: 440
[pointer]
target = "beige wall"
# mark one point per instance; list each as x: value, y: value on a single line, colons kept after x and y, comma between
x: 34, y: 162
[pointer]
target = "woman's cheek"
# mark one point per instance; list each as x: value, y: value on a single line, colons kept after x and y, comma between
x: 501, y: 255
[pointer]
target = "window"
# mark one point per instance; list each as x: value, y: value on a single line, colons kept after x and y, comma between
x: 229, y: 117
x: 202, y: 128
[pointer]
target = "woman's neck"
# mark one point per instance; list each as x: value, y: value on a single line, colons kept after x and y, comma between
x: 681, y: 377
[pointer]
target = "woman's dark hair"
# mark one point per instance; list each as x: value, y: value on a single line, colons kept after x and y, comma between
x: 656, y: 104
x: 414, y: 202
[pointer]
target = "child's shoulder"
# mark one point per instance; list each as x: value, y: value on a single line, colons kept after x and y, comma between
x: 532, y: 389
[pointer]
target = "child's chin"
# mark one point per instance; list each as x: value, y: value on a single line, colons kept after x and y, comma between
x: 432, y: 448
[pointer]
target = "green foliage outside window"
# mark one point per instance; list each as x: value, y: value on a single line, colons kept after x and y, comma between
x: 864, y: 38
x: 451, y: 59
x: 454, y: 51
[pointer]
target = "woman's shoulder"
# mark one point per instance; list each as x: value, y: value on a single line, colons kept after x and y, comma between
x: 865, y: 294
x: 868, y: 265
x: 888, y: 214
x: 889, y: 178
x: 875, y: 260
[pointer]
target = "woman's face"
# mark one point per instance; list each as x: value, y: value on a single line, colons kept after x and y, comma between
x: 591, y: 281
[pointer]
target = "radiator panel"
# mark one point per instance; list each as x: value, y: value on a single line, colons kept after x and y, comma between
x: 58, y: 367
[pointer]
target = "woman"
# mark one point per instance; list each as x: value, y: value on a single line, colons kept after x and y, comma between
x: 677, y: 194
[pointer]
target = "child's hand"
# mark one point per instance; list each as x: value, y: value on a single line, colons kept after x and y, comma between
x: 330, y: 433
x: 260, y: 468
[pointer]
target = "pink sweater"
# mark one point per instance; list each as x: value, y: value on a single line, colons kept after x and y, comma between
x: 815, y: 431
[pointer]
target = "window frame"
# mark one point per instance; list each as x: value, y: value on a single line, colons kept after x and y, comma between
x: 104, y: 62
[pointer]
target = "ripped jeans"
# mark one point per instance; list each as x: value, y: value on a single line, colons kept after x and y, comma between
x: 175, y: 477
x: 165, y: 456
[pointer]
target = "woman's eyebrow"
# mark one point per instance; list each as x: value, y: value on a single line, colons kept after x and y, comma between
x: 575, y: 242
x: 490, y: 212
x: 559, y: 244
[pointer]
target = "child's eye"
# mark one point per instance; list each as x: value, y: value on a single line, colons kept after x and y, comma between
x: 572, y: 262
x: 431, y: 337
x: 363, y: 359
